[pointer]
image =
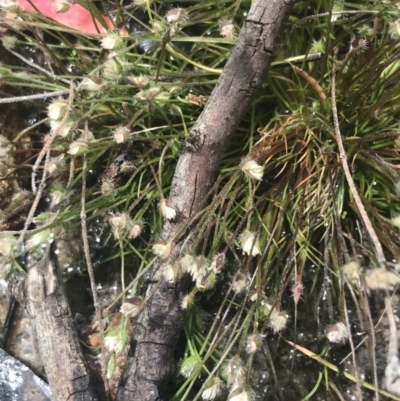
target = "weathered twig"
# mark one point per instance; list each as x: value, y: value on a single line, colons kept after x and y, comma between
x: 42, y: 294
x: 150, y: 363
x: 33, y: 97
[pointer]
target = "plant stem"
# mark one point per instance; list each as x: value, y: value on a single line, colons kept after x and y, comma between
x: 380, y: 257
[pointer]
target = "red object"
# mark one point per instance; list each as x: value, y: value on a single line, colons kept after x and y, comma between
x: 76, y: 17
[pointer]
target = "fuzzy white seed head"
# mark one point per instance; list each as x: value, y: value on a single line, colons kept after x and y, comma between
x: 140, y: 81
x: 56, y: 164
x: 240, y: 283
x: 166, y: 210
x: 175, y: 14
x: 9, y: 5
x: 380, y: 278
x: 203, y: 264
x: 148, y: 95
x: 212, y: 389
x: 234, y: 370
x: 206, y: 282
x: 227, y: 29
x: 199, y: 268
x: 7, y: 244
x: 61, y: 6
x: 254, y: 295
x: 187, y: 263
x: 107, y: 187
x: 92, y: 84
x: 119, y: 223
x: 249, y: 243
x: 78, y: 147
x: 217, y: 263
x: 198, y: 272
x: 253, y: 343
x: 278, y: 320
x: 121, y: 134
x: 111, y: 41
x: 170, y: 272
x: 62, y: 129
x: 131, y: 307
x: 239, y: 394
x: 57, y: 109
x: 162, y: 249
x: 252, y: 169
x: 352, y: 271
x: 267, y: 305
x: 337, y: 333
x: 135, y: 229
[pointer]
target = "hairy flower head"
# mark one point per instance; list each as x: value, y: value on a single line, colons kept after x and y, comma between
x: 163, y: 249
x: 337, y: 333
x: 253, y: 343
x: 227, y: 29
x: 61, y: 6
x: 131, y: 307
x: 166, y: 209
x: 212, y: 388
x: 252, y: 169
x: 111, y: 41
x: 249, y: 243
x: 57, y: 109
x: 278, y: 320
x: 7, y: 244
x: 240, y: 283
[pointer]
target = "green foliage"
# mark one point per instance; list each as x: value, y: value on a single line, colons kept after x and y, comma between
x: 301, y: 218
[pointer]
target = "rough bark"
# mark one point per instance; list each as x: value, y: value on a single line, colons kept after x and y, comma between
x: 41, y: 293
x: 150, y: 362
